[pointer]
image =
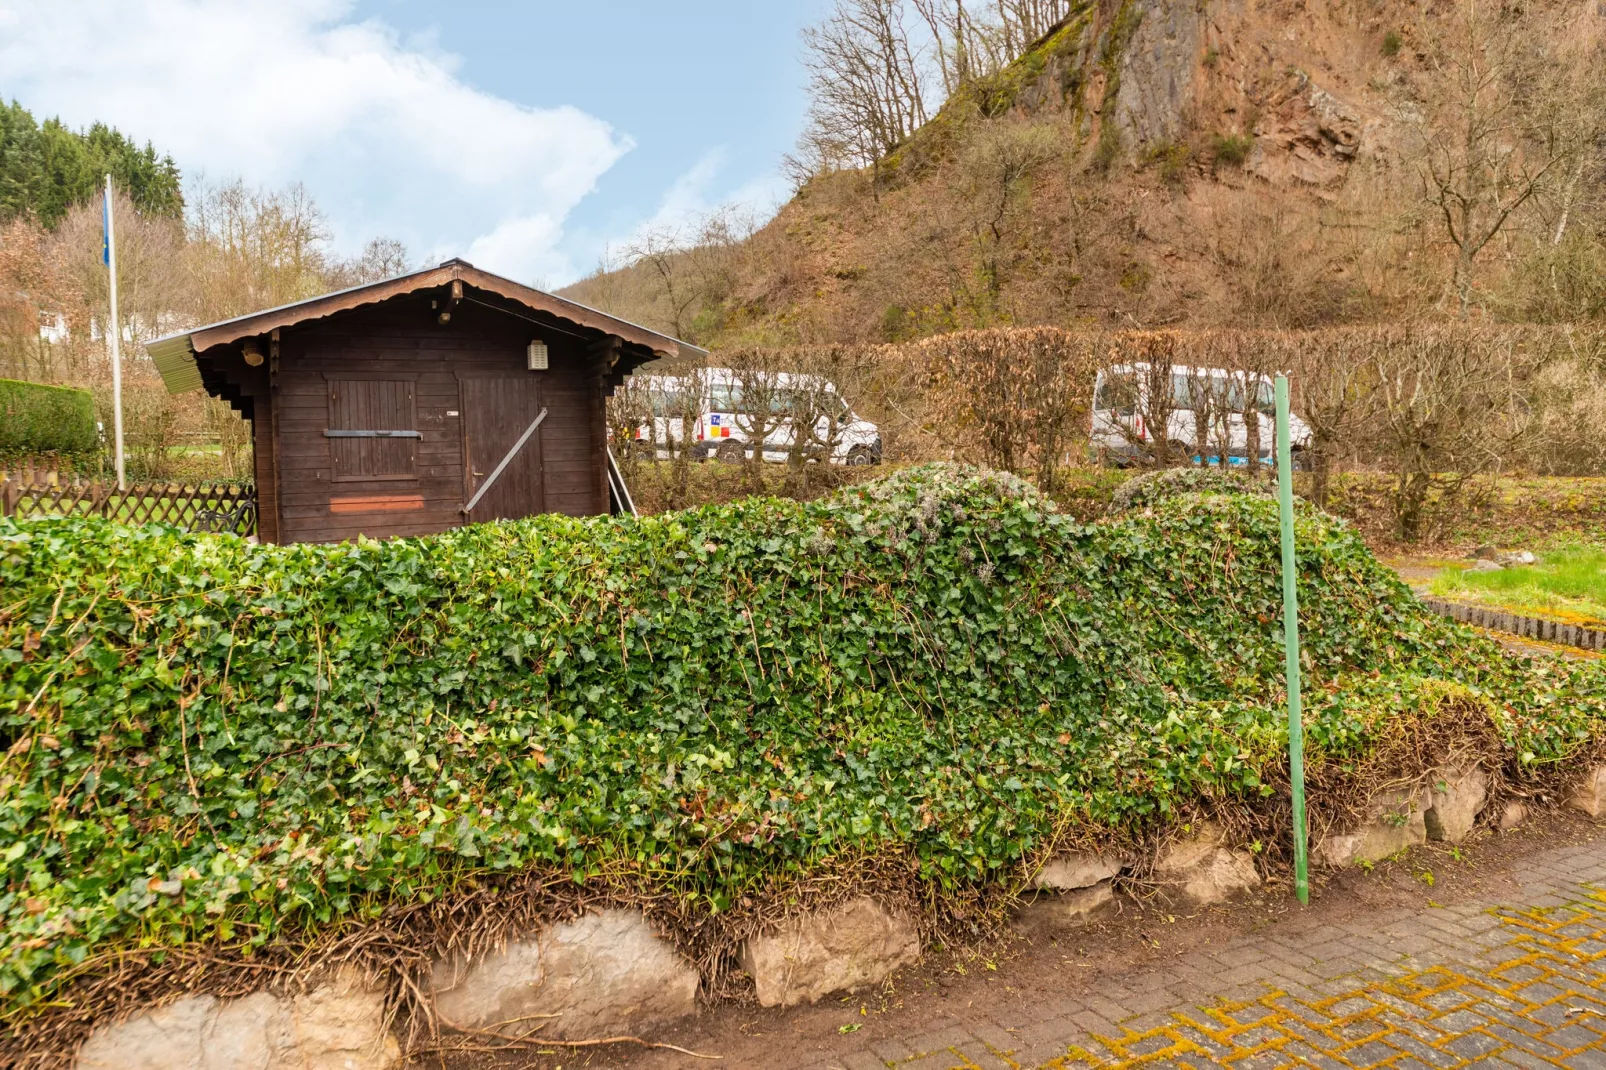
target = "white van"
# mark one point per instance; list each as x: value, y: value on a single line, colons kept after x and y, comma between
x: 1123, y: 412
x: 727, y: 422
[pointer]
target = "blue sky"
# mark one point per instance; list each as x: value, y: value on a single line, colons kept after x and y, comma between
x: 709, y: 91
x: 528, y: 137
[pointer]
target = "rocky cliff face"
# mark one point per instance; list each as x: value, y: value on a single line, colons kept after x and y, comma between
x: 1158, y: 69
x: 1148, y: 75
x: 1148, y: 162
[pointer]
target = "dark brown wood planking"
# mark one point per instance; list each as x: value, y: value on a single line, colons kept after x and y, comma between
x: 381, y: 411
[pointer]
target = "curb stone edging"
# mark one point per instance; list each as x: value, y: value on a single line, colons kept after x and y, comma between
x: 1504, y: 620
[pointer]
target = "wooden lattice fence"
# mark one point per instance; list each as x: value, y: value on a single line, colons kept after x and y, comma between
x: 197, y: 506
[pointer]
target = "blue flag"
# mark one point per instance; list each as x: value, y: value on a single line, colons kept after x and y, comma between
x: 106, y: 227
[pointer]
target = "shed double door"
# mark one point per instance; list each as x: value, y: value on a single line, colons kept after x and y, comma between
x: 496, y: 410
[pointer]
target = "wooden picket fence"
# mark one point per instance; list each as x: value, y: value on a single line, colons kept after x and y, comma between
x: 197, y: 506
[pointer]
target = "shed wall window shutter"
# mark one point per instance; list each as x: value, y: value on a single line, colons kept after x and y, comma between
x: 373, y: 405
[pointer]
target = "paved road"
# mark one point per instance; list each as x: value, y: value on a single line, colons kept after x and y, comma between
x: 1516, y: 982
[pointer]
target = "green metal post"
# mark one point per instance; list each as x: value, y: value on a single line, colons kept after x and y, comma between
x: 1296, y: 733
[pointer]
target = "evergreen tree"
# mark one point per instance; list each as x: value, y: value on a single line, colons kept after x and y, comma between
x: 46, y: 169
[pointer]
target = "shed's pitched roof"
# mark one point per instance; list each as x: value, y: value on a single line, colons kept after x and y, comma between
x: 175, y: 355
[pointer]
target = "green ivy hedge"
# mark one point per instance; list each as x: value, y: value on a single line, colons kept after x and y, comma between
x: 35, y: 418
x: 205, y: 739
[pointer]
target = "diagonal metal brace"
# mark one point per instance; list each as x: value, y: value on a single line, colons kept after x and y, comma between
x: 512, y: 453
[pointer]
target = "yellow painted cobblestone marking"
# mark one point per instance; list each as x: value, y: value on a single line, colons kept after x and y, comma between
x: 1537, y: 1000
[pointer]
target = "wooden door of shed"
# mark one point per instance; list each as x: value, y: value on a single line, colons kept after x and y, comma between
x: 496, y: 410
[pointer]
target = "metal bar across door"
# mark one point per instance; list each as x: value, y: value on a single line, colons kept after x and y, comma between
x: 616, y: 484
x: 512, y: 453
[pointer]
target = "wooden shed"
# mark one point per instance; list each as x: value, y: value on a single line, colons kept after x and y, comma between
x: 439, y: 398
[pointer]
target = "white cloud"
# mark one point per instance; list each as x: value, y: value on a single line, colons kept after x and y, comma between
x: 686, y: 200
x: 381, y: 130
x: 525, y: 245
x: 690, y: 199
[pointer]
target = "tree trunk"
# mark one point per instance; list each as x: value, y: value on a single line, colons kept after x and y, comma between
x: 1321, y: 472
x: 1410, y: 500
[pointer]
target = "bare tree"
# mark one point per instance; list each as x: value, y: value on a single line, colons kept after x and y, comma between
x: 717, y: 255
x: 153, y: 290
x: 654, y: 420
x: 1494, y: 131
x: 757, y: 394
x: 1226, y: 391
x: 692, y: 269
x: 1332, y: 377
x: 35, y: 293
x: 875, y: 67
x: 661, y: 253
x: 996, y: 165
x: 603, y: 284
x: 818, y: 412
x: 976, y: 41
x: 1560, y: 280
x: 381, y: 258
x: 966, y: 47
x: 1448, y: 409
x: 1022, y: 22
x: 868, y: 80
x: 254, y: 248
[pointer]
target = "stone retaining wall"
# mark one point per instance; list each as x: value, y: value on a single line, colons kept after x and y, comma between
x: 1505, y: 620
x: 338, y: 1025
x: 608, y: 973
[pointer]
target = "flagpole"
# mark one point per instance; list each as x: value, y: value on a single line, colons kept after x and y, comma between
x: 115, y: 334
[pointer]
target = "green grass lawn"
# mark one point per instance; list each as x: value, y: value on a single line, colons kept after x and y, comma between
x: 1568, y: 583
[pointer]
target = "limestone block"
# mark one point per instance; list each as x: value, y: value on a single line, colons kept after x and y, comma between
x: 860, y: 943
x: 340, y: 1025
x: 249, y: 1032
x: 1515, y: 813
x: 1205, y: 870
x: 1069, y: 909
x: 1336, y: 851
x: 1591, y: 794
x: 493, y: 990
x: 1398, y: 821
x: 1454, y: 800
x: 1066, y: 872
x: 602, y: 974
x: 167, y: 1038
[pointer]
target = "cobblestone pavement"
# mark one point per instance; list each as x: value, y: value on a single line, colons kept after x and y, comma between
x: 1520, y: 982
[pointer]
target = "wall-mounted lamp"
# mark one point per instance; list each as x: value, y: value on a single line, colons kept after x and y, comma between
x: 536, y: 358
x: 251, y: 350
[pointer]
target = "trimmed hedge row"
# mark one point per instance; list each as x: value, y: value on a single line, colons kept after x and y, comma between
x: 209, y: 740
x: 35, y: 418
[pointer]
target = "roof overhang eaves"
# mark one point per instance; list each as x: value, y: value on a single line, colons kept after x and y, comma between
x: 662, y: 345
x: 175, y: 356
